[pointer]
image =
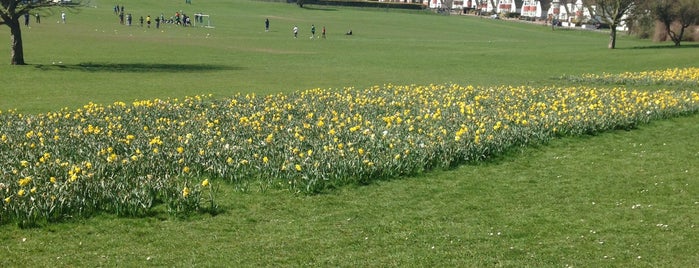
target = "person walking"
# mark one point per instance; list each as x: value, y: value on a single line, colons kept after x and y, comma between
x: 38, y: 18
x: 323, y: 32
x: 148, y: 21
x: 26, y: 19
x: 313, y: 31
x: 296, y: 31
x: 266, y: 25
x: 63, y: 16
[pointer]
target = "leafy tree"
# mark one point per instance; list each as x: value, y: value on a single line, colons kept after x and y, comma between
x: 10, y: 13
x: 684, y: 12
x: 610, y: 12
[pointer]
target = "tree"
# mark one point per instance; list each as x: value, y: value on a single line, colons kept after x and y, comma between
x: 610, y: 12
x: 10, y: 13
x: 545, y: 6
x: 684, y: 12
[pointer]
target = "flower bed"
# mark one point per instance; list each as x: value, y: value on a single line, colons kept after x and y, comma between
x: 127, y: 158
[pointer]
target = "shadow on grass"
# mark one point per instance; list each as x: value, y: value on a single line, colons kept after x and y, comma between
x: 670, y: 46
x: 136, y: 67
x: 319, y: 8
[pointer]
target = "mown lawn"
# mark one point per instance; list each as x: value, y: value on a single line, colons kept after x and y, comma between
x: 620, y: 198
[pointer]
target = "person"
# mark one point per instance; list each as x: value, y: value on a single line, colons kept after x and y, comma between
x: 121, y: 18
x: 349, y: 32
x: 63, y: 16
x: 26, y: 19
x: 157, y: 22
x: 128, y: 19
x: 38, y: 18
x: 323, y: 32
x: 296, y: 31
x: 313, y: 31
x: 148, y: 21
x: 141, y: 21
x: 266, y: 25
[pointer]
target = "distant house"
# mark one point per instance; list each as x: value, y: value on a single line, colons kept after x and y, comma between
x: 509, y: 6
x: 531, y: 9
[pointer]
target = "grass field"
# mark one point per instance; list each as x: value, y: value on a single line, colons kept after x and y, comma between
x: 621, y: 198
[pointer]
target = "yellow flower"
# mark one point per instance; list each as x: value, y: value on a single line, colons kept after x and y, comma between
x: 52, y: 179
x: 7, y: 200
x: 20, y: 192
x: 33, y: 190
x: 185, y: 169
x: 185, y: 192
x: 265, y: 160
x: 205, y: 183
x: 25, y: 181
x: 298, y: 167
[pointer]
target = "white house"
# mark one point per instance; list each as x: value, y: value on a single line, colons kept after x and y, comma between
x: 531, y: 9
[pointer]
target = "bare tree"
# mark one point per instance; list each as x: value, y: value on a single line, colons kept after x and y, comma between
x: 684, y: 12
x: 545, y: 6
x: 447, y: 4
x: 10, y: 13
x: 611, y: 12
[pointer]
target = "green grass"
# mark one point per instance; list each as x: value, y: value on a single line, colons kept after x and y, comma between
x: 238, y: 56
x: 623, y: 198
x: 569, y: 202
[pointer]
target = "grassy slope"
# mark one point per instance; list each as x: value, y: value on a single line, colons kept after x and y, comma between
x: 238, y: 56
x: 572, y: 202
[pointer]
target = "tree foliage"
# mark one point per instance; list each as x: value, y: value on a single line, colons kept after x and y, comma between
x: 676, y: 12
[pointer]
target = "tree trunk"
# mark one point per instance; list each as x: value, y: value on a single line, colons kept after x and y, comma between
x: 679, y: 38
x: 612, y: 37
x: 16, y: 48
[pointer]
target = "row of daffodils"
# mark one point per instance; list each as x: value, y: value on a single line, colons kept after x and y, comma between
x: 127, y: 158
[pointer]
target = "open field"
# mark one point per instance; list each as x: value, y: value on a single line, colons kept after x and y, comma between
x: 97, y: 59
x: 620, y: 198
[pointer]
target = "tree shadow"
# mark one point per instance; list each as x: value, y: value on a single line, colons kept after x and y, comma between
x: 318, y: 8
x: 670, y: 46
x: 136, y: 67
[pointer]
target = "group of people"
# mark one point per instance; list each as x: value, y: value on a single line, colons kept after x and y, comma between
x: 295, y: 30
x: 26, y: 18
x: 37, y: 16
x: 179, y: 18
